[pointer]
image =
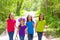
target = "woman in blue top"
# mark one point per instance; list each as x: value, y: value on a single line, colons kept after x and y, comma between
x: 30, y: 26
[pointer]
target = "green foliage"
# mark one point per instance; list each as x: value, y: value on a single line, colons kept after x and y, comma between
x: 6, y: 6
x: 19, y: 5
x: 31, y: 5
x: 2, y: 26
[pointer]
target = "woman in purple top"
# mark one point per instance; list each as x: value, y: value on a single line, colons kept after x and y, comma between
x: 22, y: 28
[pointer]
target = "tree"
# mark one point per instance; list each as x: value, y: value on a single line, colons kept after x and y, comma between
x: 19, y: 5
x: 6, y: 6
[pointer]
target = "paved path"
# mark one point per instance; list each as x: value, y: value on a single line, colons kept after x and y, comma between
x: 5, y: 37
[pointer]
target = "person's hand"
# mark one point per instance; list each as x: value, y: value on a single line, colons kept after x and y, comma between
x: 46, y: 27
x: 26, y: 32
x: 17, y: 31
x: 35, y: 30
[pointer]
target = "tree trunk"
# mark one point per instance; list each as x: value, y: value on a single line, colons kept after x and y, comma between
x: 19, y: 5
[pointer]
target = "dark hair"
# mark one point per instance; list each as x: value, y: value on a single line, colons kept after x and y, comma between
x: 39, y: 17
x: 28, y: 19
x: 9, y: 16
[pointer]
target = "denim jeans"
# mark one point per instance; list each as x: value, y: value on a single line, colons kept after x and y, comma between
x: 40, y: 35
x: 30, y: 36
x: 21, y: 37
x: 10, y: 35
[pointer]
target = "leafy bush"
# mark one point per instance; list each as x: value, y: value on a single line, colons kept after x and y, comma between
x: 2, y: 26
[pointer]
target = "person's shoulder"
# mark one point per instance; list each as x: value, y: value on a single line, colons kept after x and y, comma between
x: 32, y: 21
x: 14, y: 20
x: 27, y: 22
x: 37, y: 21
x: 25, y: 26
x: 44, y: 21
x: 8, y: 20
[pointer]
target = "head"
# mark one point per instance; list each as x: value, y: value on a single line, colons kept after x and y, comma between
x: 29, y: 18
x: 22, y: 21
x: 11, y: 16
x: 41, y: 17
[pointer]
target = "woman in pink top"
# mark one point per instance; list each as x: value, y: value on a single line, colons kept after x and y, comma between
x: 11, y: 26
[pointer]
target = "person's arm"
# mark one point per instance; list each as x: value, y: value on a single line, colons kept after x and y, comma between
x: 5, y: 30
x: 16, y: 26
x: 26, y: 31
x: 34, y: 24
x: 17, y: 29
x: 45, y: 26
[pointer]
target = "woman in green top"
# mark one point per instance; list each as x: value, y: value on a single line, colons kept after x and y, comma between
x: 40, y: 26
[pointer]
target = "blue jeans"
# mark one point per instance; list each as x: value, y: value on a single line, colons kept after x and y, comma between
x: 10, y: 35
x: 40, y: 35
x: 30, y: 36
x: 21, y: 37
